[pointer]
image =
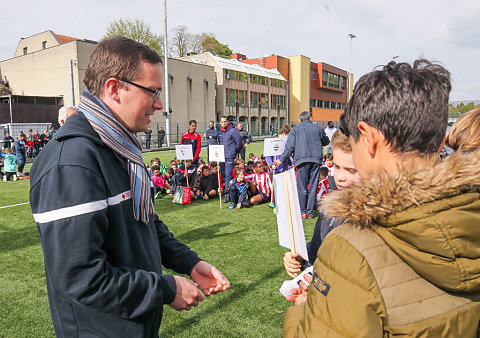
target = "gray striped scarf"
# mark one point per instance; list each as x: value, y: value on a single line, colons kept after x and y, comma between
x: 126, y: 146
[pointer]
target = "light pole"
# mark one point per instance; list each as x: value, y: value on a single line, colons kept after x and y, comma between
x: 351, y: 36
x: 167, y: 95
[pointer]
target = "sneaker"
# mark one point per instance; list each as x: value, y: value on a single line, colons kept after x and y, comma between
x: 158, y: 194
x: 4, y: 178
x: 14, y: 178
x: 271, y: 205
x: 304, y: 216
x: 232, y: 206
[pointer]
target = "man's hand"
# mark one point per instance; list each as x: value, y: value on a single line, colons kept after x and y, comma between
x: 209, y: 278
x: 292, y: 263
x: 278, y: 162
x: 299, y: 295
x: 187, y: 294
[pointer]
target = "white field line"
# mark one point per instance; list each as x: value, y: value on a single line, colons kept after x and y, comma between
x: 13, y: 205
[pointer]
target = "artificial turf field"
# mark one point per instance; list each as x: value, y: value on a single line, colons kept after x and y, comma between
x: 243, y: 244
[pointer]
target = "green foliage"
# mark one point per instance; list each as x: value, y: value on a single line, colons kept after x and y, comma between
x: 242, y: 243
x: 4, y: 88
x: 461, y: 109
x: 209, y: 43
x: 137, y: 30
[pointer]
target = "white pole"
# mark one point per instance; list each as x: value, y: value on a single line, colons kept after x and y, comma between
x: 71, y: 83
x: 167, y: 96
x: 10, y: 104
x: 350, y: 87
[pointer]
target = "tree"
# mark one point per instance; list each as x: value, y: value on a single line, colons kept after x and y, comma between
x: 181, y: 41
x: 137, y: 30
x: 209, y: 43
x: 4, y: 88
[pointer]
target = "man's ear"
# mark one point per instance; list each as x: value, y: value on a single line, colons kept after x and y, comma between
x: 112, y: 89
x: 370, y: 136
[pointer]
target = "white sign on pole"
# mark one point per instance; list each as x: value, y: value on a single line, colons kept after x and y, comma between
x: 216, y: 153
x: 274, y: 146
x: 285, y: 189
x: 184, y: 151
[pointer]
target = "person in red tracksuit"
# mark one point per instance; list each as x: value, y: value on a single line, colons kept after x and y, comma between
x: 193, y: 138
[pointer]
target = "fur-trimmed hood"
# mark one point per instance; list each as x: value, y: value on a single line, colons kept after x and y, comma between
x: 428, y: 215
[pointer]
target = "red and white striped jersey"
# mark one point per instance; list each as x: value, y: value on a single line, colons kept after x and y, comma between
x: 263, y: 180
x: 323, y: 188
x: 331, y: 170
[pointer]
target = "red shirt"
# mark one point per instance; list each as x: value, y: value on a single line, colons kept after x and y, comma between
x: 264, y: 183
x: 195, y: 140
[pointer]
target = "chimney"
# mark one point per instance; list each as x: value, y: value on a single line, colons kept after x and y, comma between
x: 239, y: 57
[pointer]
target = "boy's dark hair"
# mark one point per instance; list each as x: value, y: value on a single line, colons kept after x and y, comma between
x: 170, y: 171
x: 324, y: 171
x: 408, y: 105
x: 251, y: 154
x: 250, y: 163
x: 213, y: 165
x: 205, y: 167
x: 173, y: 162
x: 117, y: 57
x: 155, y: 159
x: 257, y: 164
x: 155, y: 167
x: 192, y: 121
x: 328, y: 156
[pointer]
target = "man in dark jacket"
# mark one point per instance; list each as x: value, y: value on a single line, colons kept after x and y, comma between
x: 103, y: 244
x: 211, y: 135
x: 230, y: 138
x: 305, y: 142
x: 246, y: 139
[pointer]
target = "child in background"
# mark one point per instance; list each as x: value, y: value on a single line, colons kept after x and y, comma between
x: 161, y: 165
x: 323, y: 186
x: 214, y: 169
x: 174, y: 166
x: 238, y: 191
x: 260, y: 184
x: 249, y: 168
x: 288, y: 163
x: 187, y: 169
x: 171, y: 181
x: 266, y: 167
x: 241, y: 163
x: 346, y: 175
x: 208, y: 184
x: 10, y: 165
x: 253, y: 158
x: 329, y: 164
x: 159, y: 180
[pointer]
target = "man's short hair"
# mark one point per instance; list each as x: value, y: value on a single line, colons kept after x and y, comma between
x: 464, y: 135
x: 117, y: 57
x: 62, y: 114
x: 324, y: 171
x: 192, y: 121
x: 408, y: 105
x: 305, y: 116
x: 341, y: 142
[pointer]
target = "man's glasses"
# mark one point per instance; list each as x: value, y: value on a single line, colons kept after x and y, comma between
x: 155, y: 93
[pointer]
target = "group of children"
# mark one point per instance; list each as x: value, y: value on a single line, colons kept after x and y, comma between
x: 251, y: 182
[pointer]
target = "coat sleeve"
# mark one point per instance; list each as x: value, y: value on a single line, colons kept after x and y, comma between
x: 289, y: 146
x: 343, y: 298
x: 238, y: 140
x: 324, y: 137
x: 73, y: 227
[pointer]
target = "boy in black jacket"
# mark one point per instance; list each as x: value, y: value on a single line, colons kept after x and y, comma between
x: 208, y: 184
x: 186, y: 169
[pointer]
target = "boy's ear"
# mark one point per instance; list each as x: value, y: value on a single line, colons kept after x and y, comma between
x: 370, y: 136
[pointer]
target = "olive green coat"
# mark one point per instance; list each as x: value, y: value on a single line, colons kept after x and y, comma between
x: 407, y: 260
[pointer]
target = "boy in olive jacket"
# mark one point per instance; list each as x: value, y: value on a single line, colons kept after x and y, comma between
x: 406, y: 261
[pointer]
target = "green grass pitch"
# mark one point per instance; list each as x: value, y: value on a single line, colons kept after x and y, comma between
x: 242, y: 243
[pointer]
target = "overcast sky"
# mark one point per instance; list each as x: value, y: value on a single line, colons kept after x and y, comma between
x: 440, y: 30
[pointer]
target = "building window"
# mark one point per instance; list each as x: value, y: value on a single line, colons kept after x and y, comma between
x: 44, y: 45
x: 333, y: 80
x: 314, y: 74
x: 24, y: 50
x: 242, y: 97
x: 254, y: 99
x: 264, y: 100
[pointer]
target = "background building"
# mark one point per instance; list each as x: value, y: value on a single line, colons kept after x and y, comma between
x: 247, y: 93
x: 316, y: 87
x: 49, y: 67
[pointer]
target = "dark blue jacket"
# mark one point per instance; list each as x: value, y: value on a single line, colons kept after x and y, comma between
x: 211, y: 135
x: 230, y: 138
x: 305, y: 142
x: 103, y: 268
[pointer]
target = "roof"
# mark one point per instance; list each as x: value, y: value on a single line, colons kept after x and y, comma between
x: 65, y: 39
x: 234, y: 64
